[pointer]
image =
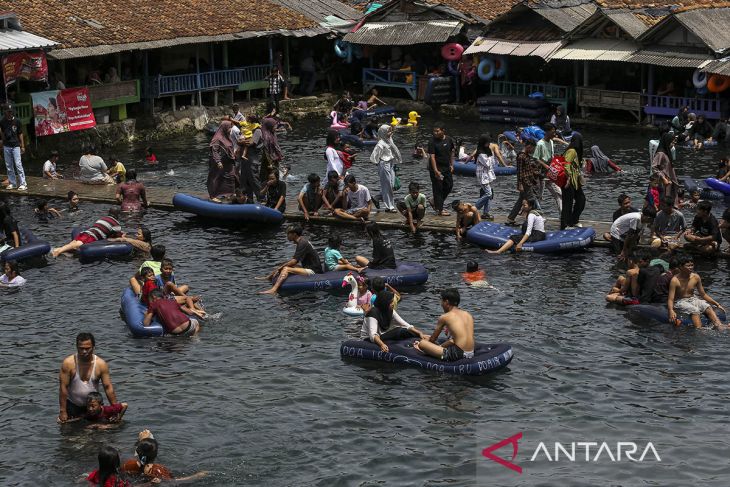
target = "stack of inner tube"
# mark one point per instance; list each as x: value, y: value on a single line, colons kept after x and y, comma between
x: 513, y: 109
x: 440, y: 90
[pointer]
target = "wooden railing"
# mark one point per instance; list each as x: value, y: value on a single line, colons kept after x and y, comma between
x: 558, y: 94
x: 617, y: 100
x: 668, y: 106
x: 390, y: 78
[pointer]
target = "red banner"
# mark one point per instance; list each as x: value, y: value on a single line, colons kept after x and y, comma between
x: 25, y: 65
x: 61, y: 111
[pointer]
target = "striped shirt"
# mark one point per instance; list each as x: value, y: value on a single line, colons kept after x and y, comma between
x: 104, y: 227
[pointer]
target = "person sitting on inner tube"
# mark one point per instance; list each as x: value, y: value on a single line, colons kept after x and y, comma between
x: 701, y: 132
x: 174, y: 318
x: 628, y: 289
x: 158, y: 254
x: 533, y: 229
x: 460, y: 325
x: 104, y: 228
x: 304, y: 262
x: 382, y: 323
x: 141, y: 241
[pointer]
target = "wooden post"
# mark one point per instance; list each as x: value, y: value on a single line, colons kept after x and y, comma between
x: 286, y: 58
x: 225, y: 55
x: 576, y: 74
x: 271, y: 52
x: 586, y: 79
x: 197, y: 77
x: 650, y: 87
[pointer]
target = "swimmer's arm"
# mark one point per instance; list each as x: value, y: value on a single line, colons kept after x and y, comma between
x: 137, y: 244
x: 280, y: 202
x: 703, y: 294
x: 64, y: 379
x: 439, y: 327
x: 497, y: 152
x: 148, y: 315
x: 300, y: 199
x: 55, y: 212
x: 392, y: 289
x: 673, y: 285
x: 106, y: 380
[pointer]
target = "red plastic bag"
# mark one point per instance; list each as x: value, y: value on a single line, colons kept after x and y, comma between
x: 557, y: 173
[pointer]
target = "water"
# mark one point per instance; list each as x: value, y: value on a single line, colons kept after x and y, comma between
x: 262, y: 397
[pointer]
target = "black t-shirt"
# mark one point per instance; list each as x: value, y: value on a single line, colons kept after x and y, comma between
x: 383, y: 257
x: 273, y: 193
x: 706, y: 228
x: 307, y: 256
x: 9, y: 226
x: 11, y: 131
x: 443, y: 149
x: 621, y: 212
x: 647, y: 282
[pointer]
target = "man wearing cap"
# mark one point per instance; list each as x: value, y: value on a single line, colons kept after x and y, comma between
x: 13, y: 142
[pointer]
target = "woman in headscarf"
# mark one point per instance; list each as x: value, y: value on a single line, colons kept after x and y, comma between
x: 221, y: 164
x: 561, y: 120
x: 386, y: 155
x: 271, y: 152
x: 574, y: 199
x: 662, y: 164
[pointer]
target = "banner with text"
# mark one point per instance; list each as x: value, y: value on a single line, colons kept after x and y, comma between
x: 25, y: 65
x: 61, y: 111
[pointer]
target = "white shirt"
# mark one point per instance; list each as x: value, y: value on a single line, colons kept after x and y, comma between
x: 359, y: 198
x: 235, y: 134
x: 92, y: 168
x: 16, y: 282
x: 370, y: 328
x: 625, y: 223
x: 334, y: 163
x: 485, y: 169
x: 535, y: 222
x: 49, y: 167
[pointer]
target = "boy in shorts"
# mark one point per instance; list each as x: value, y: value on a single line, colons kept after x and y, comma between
x: 304, y: 262
x: 467, y: 215
x: 174, y: 318
x: 359, y: 202
x: 413, y: 207
x: 682, y: 300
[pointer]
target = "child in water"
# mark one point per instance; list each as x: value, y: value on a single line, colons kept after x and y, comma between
x: 653, y: 193
x: 143, y: 464
x: 333, y: 259
x: 107, y: 475
x: 117, y: 171
x: 149, y: 283
x: 73, y: 201
x: 12, y: 277
x: 149, y: 156
x: 474, y: 276
x: 366, y: 296
x: 96, y: 412
x: 44, y: 213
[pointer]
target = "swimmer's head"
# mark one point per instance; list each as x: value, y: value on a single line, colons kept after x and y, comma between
x: 94, y: 402
x: 695, y: 195
x: 158, y: 252
x: 109, y: 463
x: 42, y: 206
x: 294, y: 232
x: 147, y: 273
x: 146, y: 450
x: 450, y: 298
x: 377, y: 284
x: 472, y: 266
x: 166, y: 268
x: 648, y: 214
x: 73, y: 197
x: 11, y: 269
x: 334, y: 242
x: 624, y: 201
x: 144, y: 234
x: 115, y: 212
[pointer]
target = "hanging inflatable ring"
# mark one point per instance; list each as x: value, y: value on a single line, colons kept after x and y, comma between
x: 500, y: 64
x: 717, y: 83
x: 486, y: 69
x: 699, y: 79
x: 453, y: 67
x: 702, y: 91
x: 343, y: 49
x: 452, y: 51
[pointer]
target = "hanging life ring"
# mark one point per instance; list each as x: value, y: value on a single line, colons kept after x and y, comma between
x: 453, y: 67
x: 452, y: 51
x: 486, y: 69
x: 717, y: 83
x: 699, y: 79
x: 500, y: 65
x: 343, y: 49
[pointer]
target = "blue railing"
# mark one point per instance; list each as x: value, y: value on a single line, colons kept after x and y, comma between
x: 668, y: 106
x: 390, y: 78
x: 559, y: 94
x: 209, y: 80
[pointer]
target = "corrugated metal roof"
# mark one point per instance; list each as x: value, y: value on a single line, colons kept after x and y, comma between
x: 630, y: 23
x: 319, y: 10
x: 718, y: 66
x: 567, y: 18
x: 404, y: 33
x: 511, y: 48
x: 79, y: 52
x: 597, y: 50
x: 18, y: 40
x: 710, y: 25
x: 668, y: 59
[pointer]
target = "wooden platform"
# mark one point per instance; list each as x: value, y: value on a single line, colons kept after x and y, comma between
x: 161, y: 198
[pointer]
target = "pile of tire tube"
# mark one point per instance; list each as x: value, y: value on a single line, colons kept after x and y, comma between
x: 440, y: 90
x: 513, y: 109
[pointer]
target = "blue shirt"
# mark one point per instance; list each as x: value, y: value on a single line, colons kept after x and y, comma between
x: 331, y: 258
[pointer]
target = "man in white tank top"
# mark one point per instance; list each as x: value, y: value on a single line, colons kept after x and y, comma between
x: 81, y: 374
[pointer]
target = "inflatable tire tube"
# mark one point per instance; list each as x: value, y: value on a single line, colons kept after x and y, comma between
x: 470, y: 169
x: 406, y: 274
x: 718, y: 185
x: 717, y: 83
x: 487, y: 358
x: 354, y: 311
x: 500, y: 64
x: 699, y: 79
x: 494, y: 235
x: 132, y: 312
x: 486, y: 69
x: 452, y: 51
x: 706, y: 193
x: 659, y: 312
x: 343, y: 49
x: 101, y: 249
x: 30, y: 247
x: 226, y: 213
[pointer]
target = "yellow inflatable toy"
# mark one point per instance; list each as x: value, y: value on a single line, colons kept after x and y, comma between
x: 413, y: 119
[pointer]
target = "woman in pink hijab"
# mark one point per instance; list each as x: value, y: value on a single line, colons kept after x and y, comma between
x: 221, y: 164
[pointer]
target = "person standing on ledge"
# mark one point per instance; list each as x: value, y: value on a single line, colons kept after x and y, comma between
x: 81, y: 374
x: 11, y: 135
x: 440, y: 168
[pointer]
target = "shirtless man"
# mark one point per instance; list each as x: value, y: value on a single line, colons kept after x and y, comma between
x: 461, y: 328
x: 467, y: 215
x: 80, y: 375
x: 682, y: 290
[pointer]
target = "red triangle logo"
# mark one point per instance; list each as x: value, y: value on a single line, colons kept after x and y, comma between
x: 487, y: 452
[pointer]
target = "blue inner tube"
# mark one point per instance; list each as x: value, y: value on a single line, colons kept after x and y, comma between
x: 486, y: 69
x: 30, y: 247
x: 224, y: 212
x: 705, y: 193
x: 718, y: 185
x: 381, y: 111
x: 487, y: 357
x: 470, y: 169
x: 132, y: 311
x: 101, y: 249
x: 493, y: 235
x: 405, y: 274
x: 660, y: 313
